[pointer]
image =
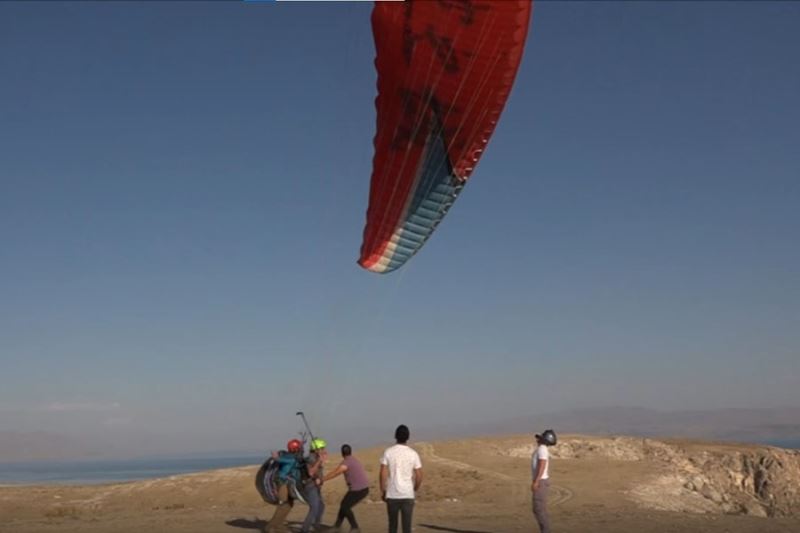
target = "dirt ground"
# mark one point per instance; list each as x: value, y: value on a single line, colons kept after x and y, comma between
x: 471, y: 486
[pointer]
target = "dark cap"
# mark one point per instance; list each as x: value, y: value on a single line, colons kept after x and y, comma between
x: 548, y: 437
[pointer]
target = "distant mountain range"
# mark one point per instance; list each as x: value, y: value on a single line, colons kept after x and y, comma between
x: 780, y: 426
x: 777, y: 425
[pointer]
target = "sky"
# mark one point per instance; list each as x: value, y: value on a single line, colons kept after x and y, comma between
x: 183, y: 189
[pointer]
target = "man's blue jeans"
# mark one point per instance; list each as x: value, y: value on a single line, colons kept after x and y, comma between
x: 316, y: 506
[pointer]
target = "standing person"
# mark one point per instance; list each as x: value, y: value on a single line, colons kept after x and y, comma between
x: 290, y: 463
x: 357, y: 487
x: 311, y: 489
x: 400, y: 478
x: 540, y: 472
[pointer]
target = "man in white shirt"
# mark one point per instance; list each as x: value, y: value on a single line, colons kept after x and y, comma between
x: 540, y: 473
x: 400, y: 478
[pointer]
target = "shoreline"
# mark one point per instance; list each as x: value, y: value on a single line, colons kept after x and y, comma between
x: 159, y: 467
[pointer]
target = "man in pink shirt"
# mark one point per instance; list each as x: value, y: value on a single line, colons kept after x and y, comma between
x: 357, y: 484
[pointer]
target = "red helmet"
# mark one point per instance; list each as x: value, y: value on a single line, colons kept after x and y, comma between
x: 294, y: 446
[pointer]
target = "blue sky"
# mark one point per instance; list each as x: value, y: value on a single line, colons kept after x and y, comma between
x: 183, y: 189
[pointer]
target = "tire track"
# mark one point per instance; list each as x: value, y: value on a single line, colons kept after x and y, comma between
x: 429, y: 453
x: 558, y: 494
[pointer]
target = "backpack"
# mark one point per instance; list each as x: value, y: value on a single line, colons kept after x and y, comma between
x: 275, y: 472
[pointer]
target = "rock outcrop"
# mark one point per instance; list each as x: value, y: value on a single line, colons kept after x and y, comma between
x: 701, y: 478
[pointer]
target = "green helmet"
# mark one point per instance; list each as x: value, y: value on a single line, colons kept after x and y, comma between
x: 318, y: 444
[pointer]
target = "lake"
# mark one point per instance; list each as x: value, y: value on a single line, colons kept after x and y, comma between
x: 109, y: 471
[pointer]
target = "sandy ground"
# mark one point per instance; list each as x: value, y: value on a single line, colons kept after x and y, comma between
x: 471, y: 486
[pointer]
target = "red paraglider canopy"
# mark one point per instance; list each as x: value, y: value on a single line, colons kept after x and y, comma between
x: 445, y: 70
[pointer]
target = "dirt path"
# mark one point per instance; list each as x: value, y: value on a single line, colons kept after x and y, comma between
x: 428, y: 452
x: 558, y: 494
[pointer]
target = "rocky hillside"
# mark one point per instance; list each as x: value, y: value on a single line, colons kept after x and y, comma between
x: 698, y: 478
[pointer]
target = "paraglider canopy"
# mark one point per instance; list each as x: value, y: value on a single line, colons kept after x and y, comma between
x: 445, y: 70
